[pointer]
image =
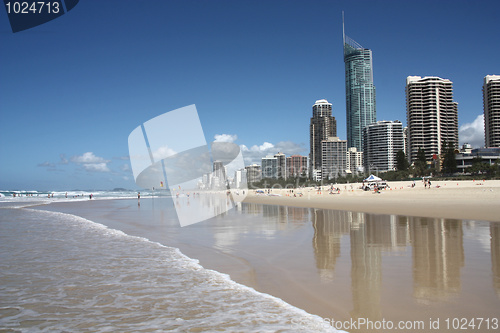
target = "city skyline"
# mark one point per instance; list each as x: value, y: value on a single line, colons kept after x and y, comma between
x: 74, y: 88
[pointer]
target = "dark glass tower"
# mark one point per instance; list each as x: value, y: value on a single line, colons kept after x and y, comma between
x: 323, y: 125
x: 359, y: 91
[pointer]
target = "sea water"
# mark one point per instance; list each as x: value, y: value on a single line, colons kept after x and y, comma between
x: 63, y: 273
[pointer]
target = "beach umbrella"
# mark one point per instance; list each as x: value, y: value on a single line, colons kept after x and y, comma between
x: 373, y: 178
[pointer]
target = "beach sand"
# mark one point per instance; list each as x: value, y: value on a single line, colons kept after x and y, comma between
x: 343, y: 263
x: 470, y: 200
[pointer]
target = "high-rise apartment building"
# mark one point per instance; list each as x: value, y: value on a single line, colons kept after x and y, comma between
x: 334, y: 158
x: 219, y: 175
x: 240, y: 178
x: 296, y: 166
x: 359, y: 91
x: 281, y: 164
x: 354, y: 160
x: 323, y: 125
x: 254, y: 173
x: 269, y: 167
x: 491, y: 102
x: 405, y: 140
x: 382, y: 140
x: 431, y: 115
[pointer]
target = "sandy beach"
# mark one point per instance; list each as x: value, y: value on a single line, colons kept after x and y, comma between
x: 469, y: 200
x: 405, y: 254
x: 336, y: 264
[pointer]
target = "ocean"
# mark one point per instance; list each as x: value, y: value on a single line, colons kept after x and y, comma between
x: 111, y: 264
x: 64, y: 273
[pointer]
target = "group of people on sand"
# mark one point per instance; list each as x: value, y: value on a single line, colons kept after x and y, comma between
x: 427, y: 182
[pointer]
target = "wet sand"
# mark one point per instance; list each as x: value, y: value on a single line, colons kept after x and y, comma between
x: 336, y: 264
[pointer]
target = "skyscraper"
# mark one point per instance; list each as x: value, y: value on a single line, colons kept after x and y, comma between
x: 359, y: 90
x: 383, y: 140
x: 323, y: 125
x: 296, y: 166
x: 431, y: 115
x: 254, y: 173
x: 269, y: 167
x: 240, y: 178
x: 281, y: 161
x: 354, y: 160
x: 333, y: 158
x: 491, y: 102
x: 219, y: 175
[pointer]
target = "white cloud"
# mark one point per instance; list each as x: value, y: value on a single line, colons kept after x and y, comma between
x: 125, y: 167
x: 472, y: 133
x: 163, y: 152
x: 99, y: 167
x: 225, y: 137
x: 291, y: 148
x: 255, y: 153
x: 88, y: 158
x: 90, y: 162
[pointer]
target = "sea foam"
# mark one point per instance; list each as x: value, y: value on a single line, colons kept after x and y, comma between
x: 67, y: 273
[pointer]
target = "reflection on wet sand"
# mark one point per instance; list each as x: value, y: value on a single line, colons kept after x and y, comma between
x: 434, y: 248
x: 333, y: 263
x: 436, y: 245
x: 199, y: 207
x: 277, y: 214
x: 438, y: 256
x: 326, y: 240
x: 495, y: 255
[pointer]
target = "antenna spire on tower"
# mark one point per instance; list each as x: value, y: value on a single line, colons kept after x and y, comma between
x: 343, y: 29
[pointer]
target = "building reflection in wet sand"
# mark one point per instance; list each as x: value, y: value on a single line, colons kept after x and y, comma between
x: 495, y: 255
x: 438, y: 257
x: 436, y: 245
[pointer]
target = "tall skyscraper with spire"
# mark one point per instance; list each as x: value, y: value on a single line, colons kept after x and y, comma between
x: 359, y: 90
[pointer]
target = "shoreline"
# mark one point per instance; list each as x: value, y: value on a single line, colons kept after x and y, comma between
x: 318, y: 261
x: 468, y: 200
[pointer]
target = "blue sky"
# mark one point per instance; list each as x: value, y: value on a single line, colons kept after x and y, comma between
x: 72, y: 90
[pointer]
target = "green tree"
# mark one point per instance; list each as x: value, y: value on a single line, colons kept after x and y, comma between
x: 480, y: 167
x: 420, y: 162
x: 449, y: 162
x: 401, y: 161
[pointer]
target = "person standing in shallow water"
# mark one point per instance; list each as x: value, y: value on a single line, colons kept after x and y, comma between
x: 139, y: 198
